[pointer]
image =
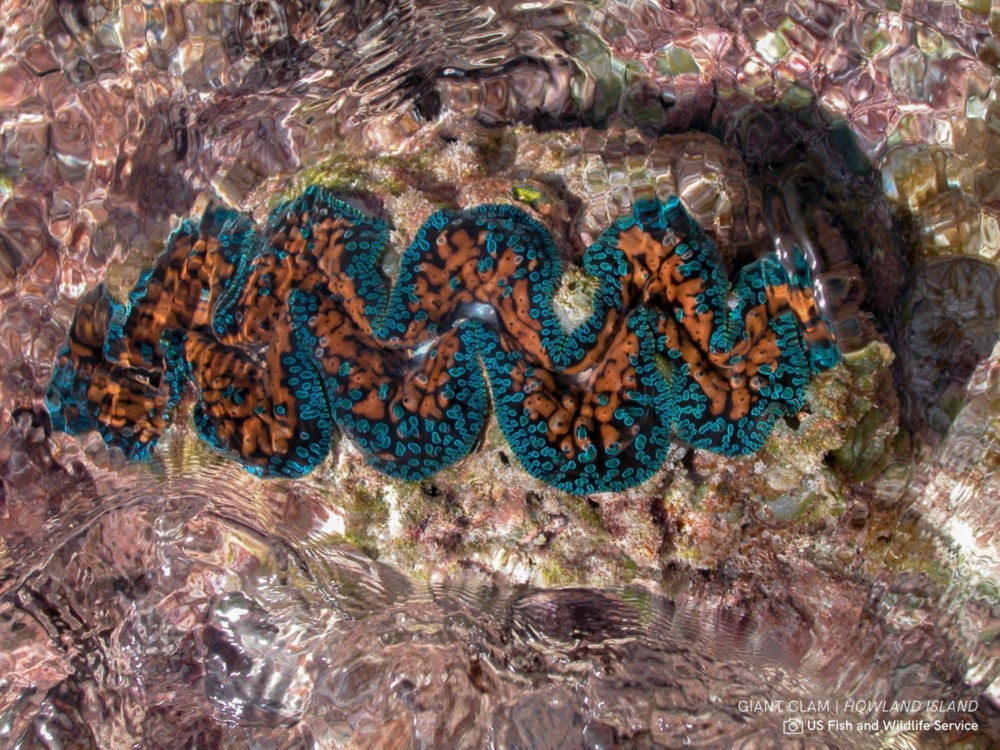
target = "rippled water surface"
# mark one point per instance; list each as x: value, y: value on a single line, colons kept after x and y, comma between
x: 846, y: 576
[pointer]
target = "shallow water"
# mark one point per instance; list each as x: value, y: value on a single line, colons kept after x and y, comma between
x: 181, y: 602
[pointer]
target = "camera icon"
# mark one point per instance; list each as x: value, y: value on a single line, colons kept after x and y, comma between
x: 792, y: 726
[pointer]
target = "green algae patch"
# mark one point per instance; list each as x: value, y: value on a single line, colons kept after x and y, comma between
x: 367, y: 513
x: 347, y: 175
x: 553, y: 574
x: 529, y: 195
x: 871, y: 413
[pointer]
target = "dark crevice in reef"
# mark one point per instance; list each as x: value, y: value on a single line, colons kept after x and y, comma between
x: 950, y: 324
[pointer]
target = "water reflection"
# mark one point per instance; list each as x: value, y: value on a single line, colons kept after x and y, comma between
x: 183, y: 603
x: 197, y: 627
